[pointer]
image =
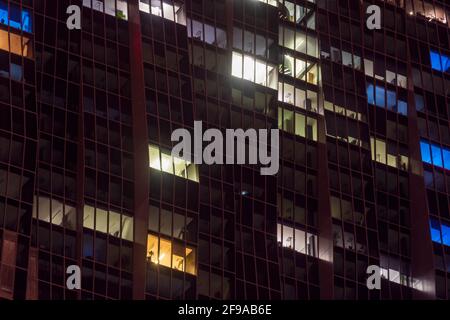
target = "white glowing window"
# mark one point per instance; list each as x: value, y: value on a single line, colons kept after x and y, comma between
x: 110, y: 7
x: 249, y: 68
x: 312, y: 46
x: 368, y: 67
x: 261, y: 73
x: 144, y: 6
x: 237, y: 65
x: 168, y: 11
x: 156, y: 8
x: 174, y: 12
x: 254, y: 70
x: 54, y: 212
x: 271, y: 2
x: 115, y: 8
x: 298, y: 240
x: 162, y: 161
x: 122, y: 10
x: 108, y: 222
x: 300, y: 68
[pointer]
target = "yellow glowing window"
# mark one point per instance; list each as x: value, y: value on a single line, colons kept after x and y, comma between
x: 172, y: 255
x: 390, y: 157
x: 162, y: 161
x: 155, y: 161
x: 16, y: 44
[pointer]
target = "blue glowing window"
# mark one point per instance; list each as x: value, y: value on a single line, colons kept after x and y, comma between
x: 425, y: 150
x: 434, y: 154
x: 380, y: 97
x: 370, y: 94
x: 440, y: 233
x: 445, y: 234
x: 435, y: 230
x: 391, y: 100
x: 446, y: 156
x: 385, y: 99
x: 439, y: 62
x: 437, y: 156
x: 18, y: 19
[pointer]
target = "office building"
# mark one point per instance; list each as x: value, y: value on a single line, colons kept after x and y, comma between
x: 87, y: 177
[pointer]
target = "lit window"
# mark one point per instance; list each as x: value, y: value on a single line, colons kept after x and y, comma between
x: 108, y: 222
x: 293, y: 12
x: 255, y: 70
x: 20, y: 45
x: 445, y: 234
x: 162, y: 161
x: 171, y: 254
x: 439, y: 62
x: 383, y: 98
x: 435, y: 155
x: 115, y: 8
x: 440, y: 233
x: 17, y: 19
x: 54, y: 212
x: 170, y: 11
x: 425, y: 150
x: 368, y: 67
x: 298, y: 124
x: 271, y: 2
x: 388, y: 155
x: 298, y: 240
x: 435, y: 231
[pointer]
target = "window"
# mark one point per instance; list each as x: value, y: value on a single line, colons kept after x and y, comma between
x: 254, y: 70
x: 439, y: 62
x: 294, y: 12
x: 298, y: 41
x: 300, y: 69
x: 54, y: 212
x: 253, y: 43
x: 171, y: 254
x: 20, y: 45
x: 171, y: 224
x: 15, y: 18
x: 271, y: 2
x: 440, y: 233
x: 163, y: 161
x: 383, y: 98
x: 207, y: 33
x: 394, y: 270
x: 388, y: 154
x: 173, y: 12
x: 298, y: 240
x: 435, y: 155
x: 115, y: 8
x: 343, y: 111
x: 108, y: 222
x: 298, y: 124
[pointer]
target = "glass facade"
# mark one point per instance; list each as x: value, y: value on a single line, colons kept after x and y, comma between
x: 87, y: 176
